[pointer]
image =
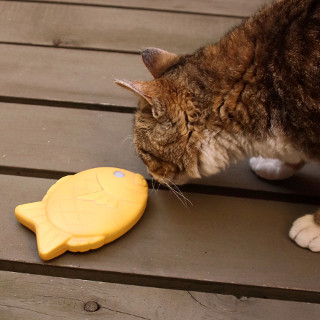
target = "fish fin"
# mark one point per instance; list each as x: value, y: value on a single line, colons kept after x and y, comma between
x: 100, y: 197
x: 51, y: 241
x: 85, y: 244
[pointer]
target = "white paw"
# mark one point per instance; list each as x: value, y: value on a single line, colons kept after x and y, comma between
x: 306, y: 233
x: 271, y: 169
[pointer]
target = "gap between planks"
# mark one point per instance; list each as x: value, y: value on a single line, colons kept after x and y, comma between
x: 237, y: 290
x: 67, y: 104
x: 194, y: 188
x: 60, y: 46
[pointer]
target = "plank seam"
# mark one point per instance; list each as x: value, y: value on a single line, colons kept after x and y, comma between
x: 68, y: 104
x: 58, y: 46
x: 189, y: 188
x: 238, y: 290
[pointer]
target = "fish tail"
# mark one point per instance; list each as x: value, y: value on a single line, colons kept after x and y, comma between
x: 31, y: 214
x: 51, y: 241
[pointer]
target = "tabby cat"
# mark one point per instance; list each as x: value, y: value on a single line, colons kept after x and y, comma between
x: 254, y: 93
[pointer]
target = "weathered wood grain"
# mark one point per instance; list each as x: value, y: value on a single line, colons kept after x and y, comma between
x: 108, y: 28
x: 68, y: 75
x: 220, y: 244
x: 71, y: 140
x: 26, y: 296
x: 220, y: 7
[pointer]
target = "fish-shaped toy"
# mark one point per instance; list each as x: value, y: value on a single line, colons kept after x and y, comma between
x: 85, y: 211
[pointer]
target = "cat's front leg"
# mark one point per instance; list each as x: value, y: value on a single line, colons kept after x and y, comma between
x: 305, y: 231
x: 273, y: 169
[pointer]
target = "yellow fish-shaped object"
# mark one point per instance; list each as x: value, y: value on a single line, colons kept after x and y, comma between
x: 85, y: 211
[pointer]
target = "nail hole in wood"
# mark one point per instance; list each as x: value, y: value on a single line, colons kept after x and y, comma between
x: 91, y: 306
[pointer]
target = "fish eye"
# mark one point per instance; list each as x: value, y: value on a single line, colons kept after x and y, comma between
x: 118, y: 174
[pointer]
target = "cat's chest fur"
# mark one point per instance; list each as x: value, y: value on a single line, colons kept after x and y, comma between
x: 219, y: 149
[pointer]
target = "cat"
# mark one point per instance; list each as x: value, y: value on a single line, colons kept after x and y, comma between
x: 255, y: 93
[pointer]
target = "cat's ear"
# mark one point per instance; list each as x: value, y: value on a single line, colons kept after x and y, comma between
x: 142, y: 88
x: 149, y: 91
x: 158, y: 61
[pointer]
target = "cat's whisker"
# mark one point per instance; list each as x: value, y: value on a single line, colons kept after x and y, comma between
x: 129, y: 137
x: 185, y: 199
x: 178, y: 193
x: 182, y: 200
x: 152, y: 184
x: 159, y: 184
x: 151, y: 190
x: 162, y: 179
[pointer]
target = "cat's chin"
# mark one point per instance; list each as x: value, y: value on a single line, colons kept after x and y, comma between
x: 177, y: 178
x: 181, y: 180
x: 173, y: 181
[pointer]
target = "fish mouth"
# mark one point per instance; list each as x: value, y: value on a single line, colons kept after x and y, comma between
x: 140, y: 180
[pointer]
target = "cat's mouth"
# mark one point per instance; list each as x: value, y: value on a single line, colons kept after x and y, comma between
x: 170, y: 174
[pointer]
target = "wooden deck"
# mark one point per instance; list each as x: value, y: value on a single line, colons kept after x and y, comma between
x: 226, y: 257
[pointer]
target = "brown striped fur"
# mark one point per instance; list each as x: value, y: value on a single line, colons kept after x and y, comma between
x: 255, y: 92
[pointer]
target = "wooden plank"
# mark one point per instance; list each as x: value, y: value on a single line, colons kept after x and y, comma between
x: 220, y: 244
x: 65, y: 139
x: 68, y: 75
x: 59, y: 139
x: 238, y: 8
x: 108, y: 28
x: 50, y: 297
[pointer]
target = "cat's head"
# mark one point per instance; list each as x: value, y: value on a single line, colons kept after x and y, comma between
x: 165, y: 133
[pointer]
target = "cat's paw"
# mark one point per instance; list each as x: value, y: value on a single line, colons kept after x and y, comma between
x: 306, y: 233
x: 271, y: 169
